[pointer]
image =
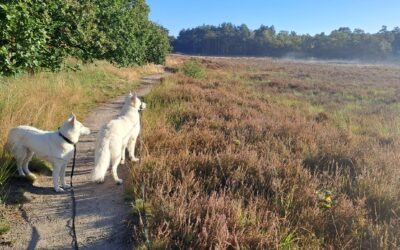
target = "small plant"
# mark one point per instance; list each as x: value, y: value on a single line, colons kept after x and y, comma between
x: 193, y: 68
x: 325, y: 199
x: 5, y: 173
x: 236, y: 142
x: 288, y: 242
x: 4, y: 228
x: 141, y: 208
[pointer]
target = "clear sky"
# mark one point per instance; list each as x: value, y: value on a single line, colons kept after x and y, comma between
x: 302, y: 16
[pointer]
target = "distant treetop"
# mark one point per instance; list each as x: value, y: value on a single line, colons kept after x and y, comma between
x: 343, y: 43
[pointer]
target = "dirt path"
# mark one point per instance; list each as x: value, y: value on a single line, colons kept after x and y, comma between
x: 100, y: 209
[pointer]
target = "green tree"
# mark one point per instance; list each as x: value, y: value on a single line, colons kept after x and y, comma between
x: 39, y: 34
x: 24, y: 38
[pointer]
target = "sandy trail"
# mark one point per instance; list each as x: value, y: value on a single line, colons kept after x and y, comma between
x: 101, y: 210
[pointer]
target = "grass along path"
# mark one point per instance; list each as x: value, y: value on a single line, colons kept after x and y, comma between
x: 101, y: 209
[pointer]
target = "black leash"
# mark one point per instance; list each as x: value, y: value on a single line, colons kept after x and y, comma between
x: 145, y: 220
x: 74, y: 237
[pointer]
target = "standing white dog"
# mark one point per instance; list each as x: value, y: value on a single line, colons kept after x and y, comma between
x: 135, y: 132
x: 113, y: 138
x: 55, y: 147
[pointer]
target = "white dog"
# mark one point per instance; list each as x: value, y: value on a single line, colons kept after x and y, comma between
x: 135, y: 133
x: 113, y: 138
x: 55, y: 147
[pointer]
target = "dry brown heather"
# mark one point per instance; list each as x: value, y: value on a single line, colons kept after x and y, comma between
x: 269, y: 154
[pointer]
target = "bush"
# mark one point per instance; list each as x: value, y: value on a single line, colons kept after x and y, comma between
x: 195, y: 69
x: 23, y: 39
x: 38, y: 35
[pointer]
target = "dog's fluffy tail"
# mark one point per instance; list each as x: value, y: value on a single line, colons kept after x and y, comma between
x: 102, y: 155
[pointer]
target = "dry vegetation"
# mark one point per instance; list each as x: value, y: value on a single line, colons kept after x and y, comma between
x: 266, y: 154
x: 46, y: 99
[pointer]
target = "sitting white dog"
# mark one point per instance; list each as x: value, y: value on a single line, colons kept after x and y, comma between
x: 55, y: 147
x: 113, y: 139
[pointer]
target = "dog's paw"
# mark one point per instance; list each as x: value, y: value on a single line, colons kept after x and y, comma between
x: 59, y: 190
x: 119, y: 181
x: 134, y: 159
x: 101, y: 181
x: 66, y: 186
x: 31, y: 176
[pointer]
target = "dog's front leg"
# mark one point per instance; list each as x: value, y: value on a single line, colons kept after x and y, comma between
x: 56, y: 175
x: 131, y: 149
x: 123, y: 154
x: 62, y: 177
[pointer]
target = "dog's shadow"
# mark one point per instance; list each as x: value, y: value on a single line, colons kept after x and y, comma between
x: 15, y: 192
x: 42, y: 190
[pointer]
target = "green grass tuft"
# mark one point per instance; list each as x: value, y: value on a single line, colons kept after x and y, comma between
x: 141, y: 208
x: 4, y: 228
x: 194, y: 68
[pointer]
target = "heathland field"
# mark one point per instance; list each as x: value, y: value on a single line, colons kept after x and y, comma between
x: 271, y: 154
x: 239, y: 152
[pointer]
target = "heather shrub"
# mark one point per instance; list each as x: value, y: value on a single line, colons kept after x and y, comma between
x: 230, y: 164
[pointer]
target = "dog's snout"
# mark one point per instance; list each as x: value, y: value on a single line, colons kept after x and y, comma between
x: 86, y: 131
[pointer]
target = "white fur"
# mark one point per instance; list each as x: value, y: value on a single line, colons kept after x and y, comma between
x: 113, y: 138
x: 25, y: 141
x: 135, y: 133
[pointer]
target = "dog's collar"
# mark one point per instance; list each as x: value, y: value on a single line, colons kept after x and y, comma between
x: 65, y: 138
x: 141, y: 107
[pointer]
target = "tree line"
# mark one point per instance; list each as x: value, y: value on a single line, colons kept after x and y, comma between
x: 40, y: 34
x: 231, y: 40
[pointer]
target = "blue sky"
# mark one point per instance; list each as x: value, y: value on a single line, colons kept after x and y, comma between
x: 307, y: 16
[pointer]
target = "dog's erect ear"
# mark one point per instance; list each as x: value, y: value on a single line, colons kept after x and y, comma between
x: 72, y: 118
x: 134, y: 96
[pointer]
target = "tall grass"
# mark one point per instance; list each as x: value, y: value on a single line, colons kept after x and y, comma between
x: 46, y: 99
x: 5, y: 172
x: 240, y: 160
